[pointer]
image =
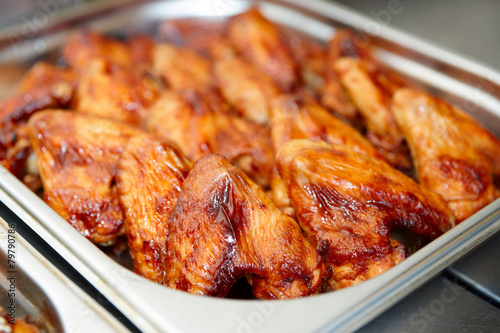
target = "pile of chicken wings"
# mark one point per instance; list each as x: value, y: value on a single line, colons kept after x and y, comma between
x: 242, y: 149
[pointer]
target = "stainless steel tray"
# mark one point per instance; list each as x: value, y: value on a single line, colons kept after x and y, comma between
x: 32, y: 286
x: 155, y: 308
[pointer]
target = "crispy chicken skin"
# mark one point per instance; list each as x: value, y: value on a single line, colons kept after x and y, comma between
x: 453, y: 154
x: 347, y: 203
x: 223, y: 227
x: 115, y: 92
x: 149, y: 179
x: 301, y: 117
x: 205, y: 37
x: 371, y: 91
x: 260, y: 42
x: 245, y: 87
x: 334, y: 96
x: 181, y: 68
x: 310, y: 56
x: 87, y: 45
x: 200, y: 124
x: 43, y: 86
x: 77, y: 157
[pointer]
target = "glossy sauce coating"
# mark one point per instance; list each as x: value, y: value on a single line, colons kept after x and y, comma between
x: 454, y: 155
x: 149, y: 179
x: 347, y: 203
x: 224, y: 227
x: 77, y: 157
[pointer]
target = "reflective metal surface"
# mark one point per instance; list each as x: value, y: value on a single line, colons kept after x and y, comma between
x: 155, y: 308
x: 31, y: 285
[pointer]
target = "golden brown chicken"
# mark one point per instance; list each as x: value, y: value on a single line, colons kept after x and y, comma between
x: 333, y: 94
x: 200, y: 124
x: 205, y: 37
x: 17, y: 325
x: 301, y: 117
x: 181, y: 68
x: 115, y: 92
x: 454, y: 155
x: 259, y: 41
x: 77, y: 157
x: 149, y: 179
x: 371, y: 90
x: 43, y: 86
x: 87, y: 45
x: 224, y: 227
x: 347, y: 203
x: 310, y: 56
x: 249, y: 90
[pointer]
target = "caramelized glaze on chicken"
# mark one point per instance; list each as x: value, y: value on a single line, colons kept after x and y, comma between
x: 249, y: 90
x: 181, y: 68
x: 454, y: 156
x: 260, y: 42
x: 149, y: 179
x: 77, y: 158
x: 87, y: 45
x: 371, y: 91
x: 333, y: 94
x: 43, y: 86
x: 199, y: 123
x: 347, y: 203
x: 224, y: 227
x: 300, y: 117
x: 115, y: 92
x: 310, y: 56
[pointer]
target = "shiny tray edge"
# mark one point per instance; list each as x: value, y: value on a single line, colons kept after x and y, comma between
x: 348, y: 309
x: 39, y: 286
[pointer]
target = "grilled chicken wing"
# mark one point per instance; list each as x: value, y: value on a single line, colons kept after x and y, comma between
x: 245, y: 87
x: 347, y: 203
x: 205, y: 37
x: 43, y: 86
x: 181, y: 68
x: 149, y: 179
x: 77, y: 157
x: 223, y: 227
x: 300, y: 117
x: 87, y: 45
x: 260, y: 42
x: 454, y: 156
x: 200, y: 124
x: 333, y: 94
x: 371, y: 91
x: 115, y: 92
x: 311, y: 58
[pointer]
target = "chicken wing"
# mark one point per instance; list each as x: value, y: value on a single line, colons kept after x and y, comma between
x: 199, y: 124
x: 149, y: 179
x: 333, y: 94
x: 223, y: 227
x: 300, y: 117
x: 371, y: 91
x: 454, y: 155
x: 181, y: 68
x: 311, y: 58
x: 245, y: 87
x: 88, y: 45
x: 43, y: 86
x: 347, y: 203
x: 77, y: 157
x: 260, y: 42
x: 115, y: 92
x: 205, y: 37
